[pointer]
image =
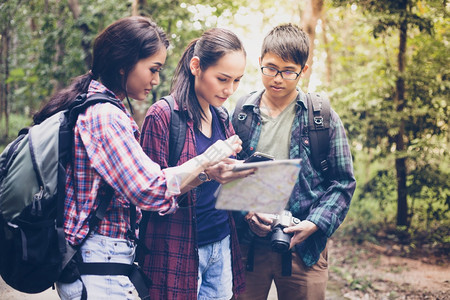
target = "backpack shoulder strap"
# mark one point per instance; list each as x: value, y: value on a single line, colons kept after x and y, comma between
x: 177, y: 133
x: 65, y: 151
x: 242, y: 123
x: 105, y: 195
x: 318, y: 127
x: 82, y: 102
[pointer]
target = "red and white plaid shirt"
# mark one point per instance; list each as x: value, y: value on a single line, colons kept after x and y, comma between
x: 106, y: 148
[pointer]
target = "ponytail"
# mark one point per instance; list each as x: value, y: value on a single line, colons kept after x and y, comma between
x: 182, y: 87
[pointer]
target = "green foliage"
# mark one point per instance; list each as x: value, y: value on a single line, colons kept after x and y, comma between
x: 363, y: 90
x: 380, y: 187
x: 364, y: 86
x: 52, y: 46
x: 47, y: 50
x: 49, y: 47
x: 16, y: 122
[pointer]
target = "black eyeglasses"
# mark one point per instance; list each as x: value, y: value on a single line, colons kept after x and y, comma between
x: 272, y: 72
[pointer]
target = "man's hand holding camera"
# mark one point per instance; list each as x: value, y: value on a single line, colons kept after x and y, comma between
x: 301, y: 231
x: 287, y: 231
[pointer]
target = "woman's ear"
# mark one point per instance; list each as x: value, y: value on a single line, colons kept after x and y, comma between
x: 195, y: 65
x: 121, y: 72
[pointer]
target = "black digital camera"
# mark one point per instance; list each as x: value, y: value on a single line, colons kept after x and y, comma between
x: 279, y: 240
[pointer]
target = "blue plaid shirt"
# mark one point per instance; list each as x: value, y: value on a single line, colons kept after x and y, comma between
x: 323, y: 202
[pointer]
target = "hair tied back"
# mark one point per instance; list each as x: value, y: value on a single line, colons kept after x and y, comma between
x: 93, y: 76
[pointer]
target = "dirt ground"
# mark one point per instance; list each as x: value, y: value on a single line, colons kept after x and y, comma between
x: 365, y: 271
x: 369, y: 271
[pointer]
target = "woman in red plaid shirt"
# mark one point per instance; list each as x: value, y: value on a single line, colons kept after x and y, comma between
x: 194, y: 253
x: 127, y: 58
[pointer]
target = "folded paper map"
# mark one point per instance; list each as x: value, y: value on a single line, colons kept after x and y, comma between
x: 266, y: 191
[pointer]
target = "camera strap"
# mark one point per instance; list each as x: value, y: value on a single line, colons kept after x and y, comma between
x: 286, y: 260
x: 286, y: 263
x: 251, y: 256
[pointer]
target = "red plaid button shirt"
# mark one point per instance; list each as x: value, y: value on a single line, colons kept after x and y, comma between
x: 106, y: 148
x: 172, y: 262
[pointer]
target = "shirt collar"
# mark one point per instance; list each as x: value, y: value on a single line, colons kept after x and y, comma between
x: 255, y: 99
x: 97, y: 87
x: 301, y: 99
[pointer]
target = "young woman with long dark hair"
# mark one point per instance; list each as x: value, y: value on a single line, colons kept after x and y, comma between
x: 194, y: 254
x: 127, y: 58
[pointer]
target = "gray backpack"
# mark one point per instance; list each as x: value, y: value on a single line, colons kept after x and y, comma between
x: 32, y: 193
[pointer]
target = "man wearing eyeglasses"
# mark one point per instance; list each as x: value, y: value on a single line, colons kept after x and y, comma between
x: 320, y: 201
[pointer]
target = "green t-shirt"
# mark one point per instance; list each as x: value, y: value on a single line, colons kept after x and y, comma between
x: 275, y: 135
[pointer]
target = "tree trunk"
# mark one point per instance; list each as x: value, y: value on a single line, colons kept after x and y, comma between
x: 5, y: 86
x: 329, y: 61
x: 2, y: 80
x: 310, y: 15
x: 136, y: 7
x: 74, y: 7
x: 400, y: 162
x: 60, y: 47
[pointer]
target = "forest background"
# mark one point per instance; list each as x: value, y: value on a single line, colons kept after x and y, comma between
x: 384, y: 65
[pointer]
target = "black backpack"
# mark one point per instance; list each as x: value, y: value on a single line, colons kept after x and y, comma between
x: 177, y: 137
x: 33, y: 249
x: 177, y: 133
x: 318, y: 125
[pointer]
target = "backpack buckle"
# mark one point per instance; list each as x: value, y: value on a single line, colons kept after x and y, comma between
x: 242, y: 116
x: 318, y: 121
x: 324, y: 165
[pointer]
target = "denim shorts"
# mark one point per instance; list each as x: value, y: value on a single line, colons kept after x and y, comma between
x: 215, y: 277
x: 99, y: 248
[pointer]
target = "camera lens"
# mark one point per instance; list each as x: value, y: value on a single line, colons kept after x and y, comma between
x: 280, y: 241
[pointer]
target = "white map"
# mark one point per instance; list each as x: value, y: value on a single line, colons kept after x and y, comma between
x: 266, y: 191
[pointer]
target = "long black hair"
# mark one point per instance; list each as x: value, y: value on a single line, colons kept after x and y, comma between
x: 209, y: 48
x: 116, y: 49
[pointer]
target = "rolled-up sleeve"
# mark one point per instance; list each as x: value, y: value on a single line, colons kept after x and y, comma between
x: 334, y: 203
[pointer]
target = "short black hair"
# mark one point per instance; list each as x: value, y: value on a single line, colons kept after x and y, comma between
x: 289, y: 42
